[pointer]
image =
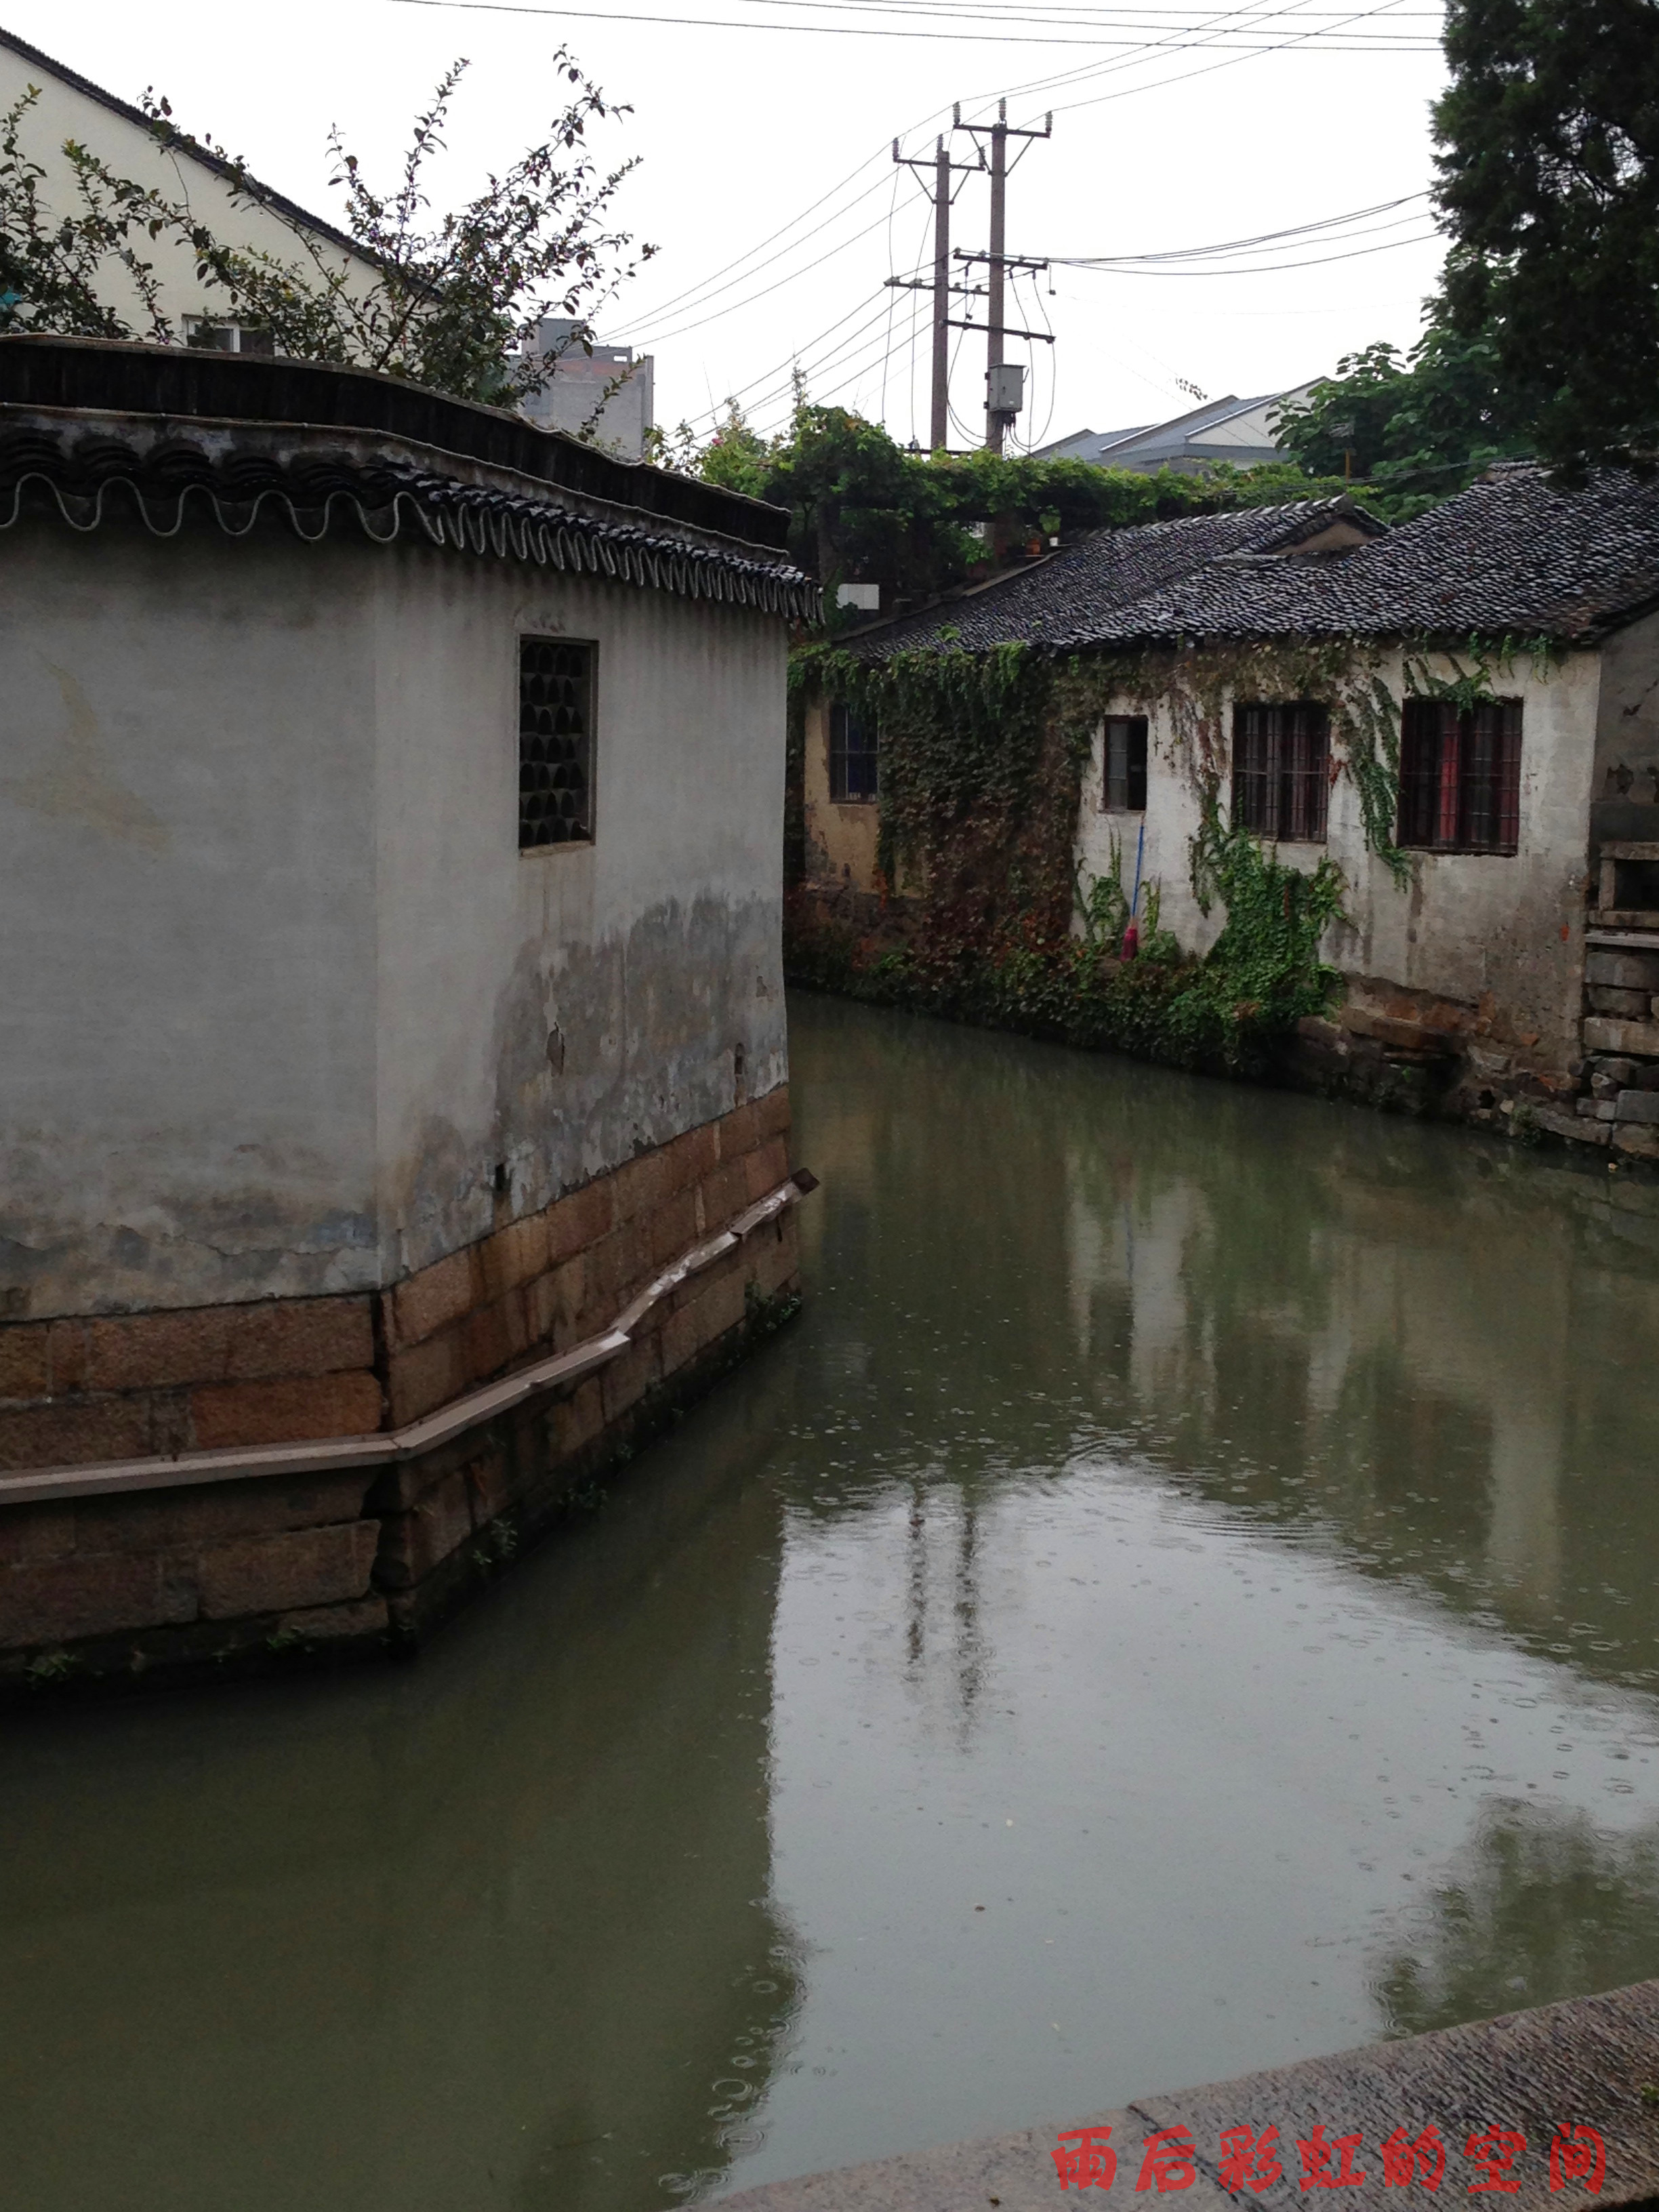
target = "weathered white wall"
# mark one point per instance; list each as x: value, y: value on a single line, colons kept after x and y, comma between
x: 63, y: 111
x: 186, y: 905
x: 1627, y: 726
x: 280, y: 983
x: 655, y: 951
x: 1469, y: 924
x: 1625, y: 794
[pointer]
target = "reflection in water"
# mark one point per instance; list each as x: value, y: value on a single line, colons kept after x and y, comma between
x: 1433, y: 1349
x: 1541, y: 1903
x: 1182, y: 1598
x: 491, y: 1930
x: 1207, y: 1509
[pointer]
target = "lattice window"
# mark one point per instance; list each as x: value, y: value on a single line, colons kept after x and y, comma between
x: 854, y: 772
x: 1124, y: 791
x: 1460, y: 776
x: 556, y: 743
x: 1281, y: 770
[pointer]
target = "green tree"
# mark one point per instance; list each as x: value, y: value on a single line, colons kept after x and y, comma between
x: 444, y: 301
x: 736, y: 457
x: 1417, y: 427
x: 1549, y: 185
x: 865, y: 508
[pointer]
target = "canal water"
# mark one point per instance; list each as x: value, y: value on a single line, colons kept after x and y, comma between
x: 1184, y: 1596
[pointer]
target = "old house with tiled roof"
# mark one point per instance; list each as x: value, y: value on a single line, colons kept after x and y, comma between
x: 393, y: 1114
x: 1474, y: 740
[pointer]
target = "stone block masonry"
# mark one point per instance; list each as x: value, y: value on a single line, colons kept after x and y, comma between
x: 181, y: 1573
x: 1618, y: 1073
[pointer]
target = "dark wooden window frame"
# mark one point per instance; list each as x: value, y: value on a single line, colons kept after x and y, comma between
x: 1123, y: 764
x: 1282, y: 769
x: 1460, y: 776
x: 854, y: 758
x: 558, y: 688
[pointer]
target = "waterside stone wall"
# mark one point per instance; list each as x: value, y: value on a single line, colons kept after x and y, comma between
x: 186, y: 1575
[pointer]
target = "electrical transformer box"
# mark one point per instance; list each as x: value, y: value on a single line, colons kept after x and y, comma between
x: 1004, y: 387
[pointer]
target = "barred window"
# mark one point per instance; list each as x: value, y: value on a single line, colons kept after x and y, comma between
x: 556, y: 743
x: 1460, y: 776
x: 853, y: 769
x: 1124, y: 790
x: 1281, y: 770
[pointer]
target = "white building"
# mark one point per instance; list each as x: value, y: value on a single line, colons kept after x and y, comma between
x: 596, y: 391
x: 1241, y: 431
x: 71, y: 107
x: 1486, y: 678
x: 390, y: 870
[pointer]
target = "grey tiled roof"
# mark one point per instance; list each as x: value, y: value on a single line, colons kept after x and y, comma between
x: 93, y: 471
x: 1515, y: 555
x: 1056, y: 600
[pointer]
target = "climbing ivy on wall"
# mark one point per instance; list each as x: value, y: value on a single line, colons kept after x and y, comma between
x: 981, y: 763
x: 982, y: 758
x: 1492, y: 662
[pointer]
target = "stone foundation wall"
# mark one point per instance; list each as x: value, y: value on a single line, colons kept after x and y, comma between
x: 1414, y: 1051
x: 175, y: 1578
x: 1618, y: 1105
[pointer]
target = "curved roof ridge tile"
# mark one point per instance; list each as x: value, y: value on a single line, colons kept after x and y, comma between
x: 87, y: 475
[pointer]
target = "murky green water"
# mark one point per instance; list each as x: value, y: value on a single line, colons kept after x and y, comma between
x: 1182, y: 1598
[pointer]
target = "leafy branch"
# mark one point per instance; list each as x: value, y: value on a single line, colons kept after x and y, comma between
x: 452, y: 301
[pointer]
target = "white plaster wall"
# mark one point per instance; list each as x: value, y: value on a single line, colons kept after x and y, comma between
x: 655, y: 951
x: 1627, y: 731
x: 63, y: 111
x: 1171, y: 819
x: 187, y: 905
x: 279, y: 983
x: 1468, y: 925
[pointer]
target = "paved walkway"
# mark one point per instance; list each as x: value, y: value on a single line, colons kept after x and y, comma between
x: 1590, y: 2065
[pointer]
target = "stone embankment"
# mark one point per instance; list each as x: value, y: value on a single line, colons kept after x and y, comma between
x: 250, y: 1485
x: 1557, y: 2078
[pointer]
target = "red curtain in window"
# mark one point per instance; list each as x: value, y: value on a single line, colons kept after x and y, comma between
x: 1460, y: 776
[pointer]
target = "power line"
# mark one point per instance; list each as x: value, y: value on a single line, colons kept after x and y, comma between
x: 1263, y: 241
x: 662, y: 337
x: 702, y: 289
x: 1283, y: 45
x: 709, y: 287
x: 1265, y: 268
x: 804, y: 358
x: 844, y: 30
x: 1240, y: 245
x: 794, y: 356
x: 1253, y: 15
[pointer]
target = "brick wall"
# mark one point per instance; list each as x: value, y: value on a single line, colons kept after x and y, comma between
x: 185, y: 1573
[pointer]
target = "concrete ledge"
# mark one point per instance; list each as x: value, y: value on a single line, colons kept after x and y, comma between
x: 1592, y: 2062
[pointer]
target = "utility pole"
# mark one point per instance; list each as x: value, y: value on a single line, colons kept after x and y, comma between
x: 1004, y: 387
x: 941, y: 165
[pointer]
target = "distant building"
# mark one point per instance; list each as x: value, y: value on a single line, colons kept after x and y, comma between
x: 575, y: 396
x: 71, y: 107
x: 1235, y: 430
x: 1498, y: 941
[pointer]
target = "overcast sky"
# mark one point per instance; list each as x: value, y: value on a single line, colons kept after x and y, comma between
x: 1168, y: 135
